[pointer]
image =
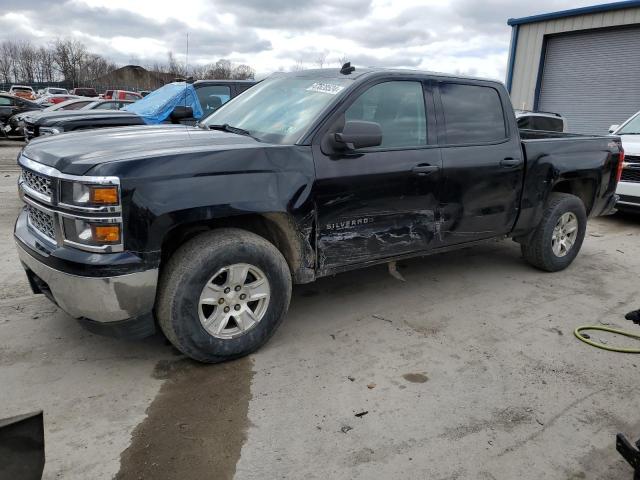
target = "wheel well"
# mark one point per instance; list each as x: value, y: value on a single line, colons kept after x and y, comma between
x: 582, y: 188
x: 277, y: 228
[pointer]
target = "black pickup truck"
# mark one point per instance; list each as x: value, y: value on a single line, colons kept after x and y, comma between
x: 211, y: 95
x: 202, y: 230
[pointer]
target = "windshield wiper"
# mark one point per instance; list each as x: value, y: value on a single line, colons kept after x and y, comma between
x: 628, y: 133
x: 225, y: 127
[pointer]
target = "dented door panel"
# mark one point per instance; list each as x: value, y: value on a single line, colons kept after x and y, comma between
x: 373, y: 206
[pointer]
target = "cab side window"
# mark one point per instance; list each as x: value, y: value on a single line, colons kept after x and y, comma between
x: 472, y: 114
x: 398, y: 107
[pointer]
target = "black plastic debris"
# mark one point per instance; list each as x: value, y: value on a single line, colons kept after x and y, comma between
x: 22, y: 447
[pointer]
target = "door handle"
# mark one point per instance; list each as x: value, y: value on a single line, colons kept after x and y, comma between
x: 509, y: 162
x: 425, y: 169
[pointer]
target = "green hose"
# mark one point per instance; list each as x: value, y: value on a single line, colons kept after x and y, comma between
x: 624, y: 333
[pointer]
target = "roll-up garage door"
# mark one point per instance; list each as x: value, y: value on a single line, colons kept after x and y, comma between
x: 592, y: 78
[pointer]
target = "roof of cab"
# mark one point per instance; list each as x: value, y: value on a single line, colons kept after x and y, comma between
x: 368, y: 72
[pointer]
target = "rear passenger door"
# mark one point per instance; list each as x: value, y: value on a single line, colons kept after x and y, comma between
x: 482, y: 162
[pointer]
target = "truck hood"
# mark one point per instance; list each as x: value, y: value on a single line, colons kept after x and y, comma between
x: 76, y: 153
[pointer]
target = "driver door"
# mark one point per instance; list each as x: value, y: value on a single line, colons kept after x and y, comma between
x: 380, y: 202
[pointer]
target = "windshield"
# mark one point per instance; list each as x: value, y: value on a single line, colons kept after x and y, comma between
x: 278, y: 109
x: 632, y: 127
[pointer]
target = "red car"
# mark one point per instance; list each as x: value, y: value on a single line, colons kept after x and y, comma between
x: 121, y: 95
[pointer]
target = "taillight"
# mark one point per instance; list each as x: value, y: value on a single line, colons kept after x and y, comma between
x: 620, y: 165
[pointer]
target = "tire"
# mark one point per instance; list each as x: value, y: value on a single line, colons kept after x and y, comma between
x: 180, y: 307
x: 539, y: 251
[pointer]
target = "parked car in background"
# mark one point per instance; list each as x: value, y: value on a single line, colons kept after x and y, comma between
x: 23, y: 91
x: 203, y: 230
x: 144, y: 93
x: 629, y: 186
x: 12, y: 105
x: 53, y: 91
x: 17, y: 122
x: 202, y: 98
x: 84, y: 92
x: 121, y: 95
x: 52, y: 99
x: 545, y: 121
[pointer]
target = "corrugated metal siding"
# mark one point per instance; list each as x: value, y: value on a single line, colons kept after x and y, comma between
x: 592, y: 78
x: 530, y: 37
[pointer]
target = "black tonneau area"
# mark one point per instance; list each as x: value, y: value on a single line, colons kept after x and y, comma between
x: 526, y: 134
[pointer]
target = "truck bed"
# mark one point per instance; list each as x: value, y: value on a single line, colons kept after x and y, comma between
x: 552, y: 157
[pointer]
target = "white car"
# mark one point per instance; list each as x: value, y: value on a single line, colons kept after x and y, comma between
x: 629, y: 186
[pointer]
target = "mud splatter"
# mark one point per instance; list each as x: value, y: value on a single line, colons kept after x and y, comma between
x: 415, y: 377
x: 196, y: 425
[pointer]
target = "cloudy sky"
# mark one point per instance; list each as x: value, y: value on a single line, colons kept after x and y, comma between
x: 457, y: 36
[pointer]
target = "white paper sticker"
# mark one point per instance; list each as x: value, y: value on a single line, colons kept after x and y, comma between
x: 325, y: 88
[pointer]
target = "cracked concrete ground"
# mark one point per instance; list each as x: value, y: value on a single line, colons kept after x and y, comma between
x: 468, y: 370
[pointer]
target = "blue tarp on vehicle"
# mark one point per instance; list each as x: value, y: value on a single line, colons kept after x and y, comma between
x: 156, y: 107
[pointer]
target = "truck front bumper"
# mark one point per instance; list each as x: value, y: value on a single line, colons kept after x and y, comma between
x: 118, y: 304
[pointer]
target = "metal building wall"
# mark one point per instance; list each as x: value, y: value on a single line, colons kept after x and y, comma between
x: 529, y: 47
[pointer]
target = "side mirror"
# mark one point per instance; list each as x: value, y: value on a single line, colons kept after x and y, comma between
x: 180, y: 112
x: 613, y: 128
x: 358, y: 134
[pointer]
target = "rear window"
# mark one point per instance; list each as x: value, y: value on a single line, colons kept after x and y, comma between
x: 472, y: 114
x: 213, y: 97
x: 131, y: 96
x: 22, y: 89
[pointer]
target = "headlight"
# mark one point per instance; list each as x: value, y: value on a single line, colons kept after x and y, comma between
x: 92, y: 234
x: 49, y: 131
x: 88, y: 195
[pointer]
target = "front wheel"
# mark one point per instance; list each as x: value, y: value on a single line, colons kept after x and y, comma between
x: 223, y: 294
x: 559, y: 236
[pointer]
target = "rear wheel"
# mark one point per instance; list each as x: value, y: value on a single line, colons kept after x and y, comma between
x: 559, y: 236
x: 223, y: 294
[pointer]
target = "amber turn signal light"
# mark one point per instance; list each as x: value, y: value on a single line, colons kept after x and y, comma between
x: 104, y: 195
x: 106, y: 233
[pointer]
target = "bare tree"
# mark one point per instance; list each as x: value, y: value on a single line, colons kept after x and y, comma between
x: 70, y: 55
x: 199, y: 72
x: 243, y: 72
x: 27, y: 58
x: 321, y: 59
x: 175, y: 67
x: 298, y: 66
x: 222, y: 69
x: 6, y: 62
x: 342, y: 60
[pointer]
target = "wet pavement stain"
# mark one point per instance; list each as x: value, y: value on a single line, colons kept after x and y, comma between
x: 415, y: 377
x: 196, y: 425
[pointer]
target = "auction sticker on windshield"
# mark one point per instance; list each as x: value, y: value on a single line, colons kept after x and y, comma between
x: 325, y: 88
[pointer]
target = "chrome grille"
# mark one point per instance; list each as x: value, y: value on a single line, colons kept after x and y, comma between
x: 42, y: 221
x: 630, y: 175
x: 632, y: 158
x: 37, y: 182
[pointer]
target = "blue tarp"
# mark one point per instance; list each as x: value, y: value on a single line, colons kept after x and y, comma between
x: 156, y: 107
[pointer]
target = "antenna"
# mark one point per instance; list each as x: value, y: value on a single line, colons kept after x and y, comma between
x: 347, y: 69
x: 186, y: 71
